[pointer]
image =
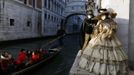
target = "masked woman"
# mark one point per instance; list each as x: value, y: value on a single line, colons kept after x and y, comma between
x: 104, y: 53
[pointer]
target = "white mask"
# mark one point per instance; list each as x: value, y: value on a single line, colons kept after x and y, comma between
x: 103, y: 17
x: 89, y: 16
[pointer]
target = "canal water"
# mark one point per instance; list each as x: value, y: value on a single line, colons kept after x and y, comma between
x: 61, y: 64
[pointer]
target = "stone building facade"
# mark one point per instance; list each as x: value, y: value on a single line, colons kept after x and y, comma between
x: 20, y: 19
x: 53, y: 16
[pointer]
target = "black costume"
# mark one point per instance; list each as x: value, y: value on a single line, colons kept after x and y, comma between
x: 87, y: 28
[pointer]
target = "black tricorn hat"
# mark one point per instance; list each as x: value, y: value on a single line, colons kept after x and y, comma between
x: 110, y: 12
x: 102, y: 10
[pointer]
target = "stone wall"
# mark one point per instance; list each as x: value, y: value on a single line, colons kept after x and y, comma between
x: 26, y: 21
x: 131, y: 35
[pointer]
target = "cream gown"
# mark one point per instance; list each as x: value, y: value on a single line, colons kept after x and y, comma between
x: 104, y: 53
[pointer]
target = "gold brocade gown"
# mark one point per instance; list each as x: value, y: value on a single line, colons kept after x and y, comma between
x: 104, y: 53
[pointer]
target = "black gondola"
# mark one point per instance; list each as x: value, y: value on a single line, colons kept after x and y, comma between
x: 52, y: 53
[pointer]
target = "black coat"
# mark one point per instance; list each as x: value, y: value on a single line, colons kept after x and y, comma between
x: 87, y: 27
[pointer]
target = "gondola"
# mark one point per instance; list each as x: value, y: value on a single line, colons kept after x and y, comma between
x: 52, y: 53
x: 27, y: 69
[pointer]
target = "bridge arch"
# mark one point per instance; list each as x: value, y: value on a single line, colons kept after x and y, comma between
x: 68, y: 16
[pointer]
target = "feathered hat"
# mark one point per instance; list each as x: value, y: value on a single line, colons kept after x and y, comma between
x: 108, y: 12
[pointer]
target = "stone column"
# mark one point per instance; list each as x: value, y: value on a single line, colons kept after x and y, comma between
x: 131, y: 36
x: 43, y: 18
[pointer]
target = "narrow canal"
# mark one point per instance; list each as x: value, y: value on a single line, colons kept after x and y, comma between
x: 58, y: 66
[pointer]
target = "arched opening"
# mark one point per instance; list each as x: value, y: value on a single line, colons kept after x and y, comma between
x: 67, y: 17
x: 64, y: 23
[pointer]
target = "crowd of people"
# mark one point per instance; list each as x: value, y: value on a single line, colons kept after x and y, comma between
x: 24, y: 58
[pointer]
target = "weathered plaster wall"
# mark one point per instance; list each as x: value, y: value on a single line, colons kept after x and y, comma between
x: 21, y: 14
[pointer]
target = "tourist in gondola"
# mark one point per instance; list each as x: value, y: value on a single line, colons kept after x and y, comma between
x: 21, y: 59
x: 29, y: 54
x: 42, y: 53
x: 6, y: 62
x: 6, y: 56
x: 34, y: 57
x: 104, y: 53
